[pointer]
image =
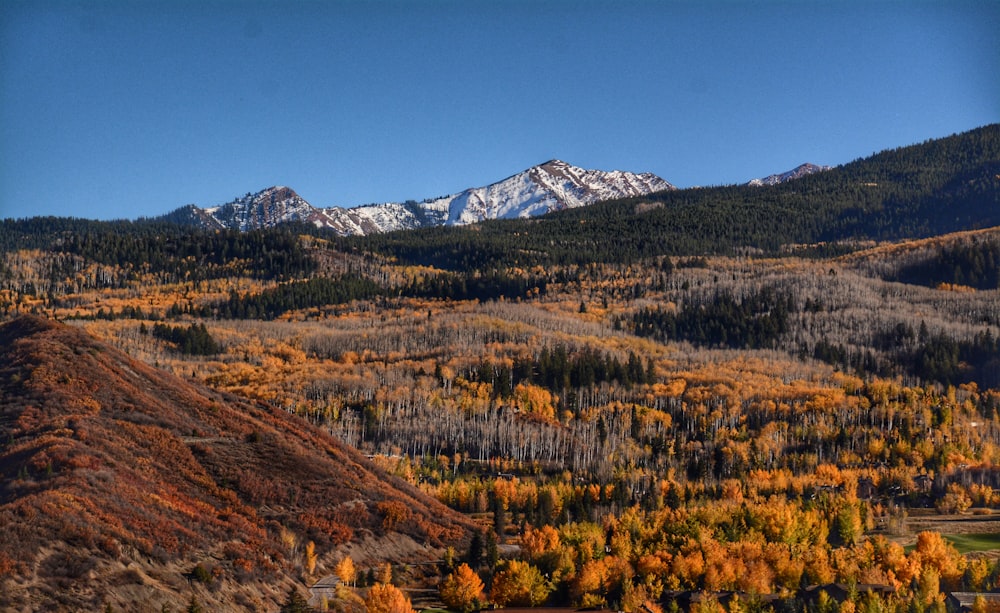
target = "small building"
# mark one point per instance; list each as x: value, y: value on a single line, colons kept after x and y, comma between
x: 866, y: 488
x: 688, y: 599
x: 842, y: 591
x: 962, y: 602
x: 922, y: 483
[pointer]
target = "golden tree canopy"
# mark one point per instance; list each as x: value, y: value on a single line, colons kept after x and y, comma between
x: 346, y: 570
x: 520, y: 584
x: 463, y: 590
x: 386, y: 598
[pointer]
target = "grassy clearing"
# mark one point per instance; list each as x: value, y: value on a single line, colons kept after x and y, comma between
x: 966, y: 543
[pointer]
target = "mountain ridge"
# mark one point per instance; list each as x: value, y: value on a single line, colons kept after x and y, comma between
x: 551, y: 186
x: 935, y: 187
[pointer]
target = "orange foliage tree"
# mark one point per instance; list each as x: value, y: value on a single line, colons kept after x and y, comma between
x: 386, y: 598
x: 519, y: 584
x: 463, y: 590
x: 346, y: 571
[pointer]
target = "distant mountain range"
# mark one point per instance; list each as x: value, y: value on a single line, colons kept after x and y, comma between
x: 552, y: 186
x: 939, y: 186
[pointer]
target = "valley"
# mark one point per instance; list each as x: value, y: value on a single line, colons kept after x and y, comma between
x: 751, y: 389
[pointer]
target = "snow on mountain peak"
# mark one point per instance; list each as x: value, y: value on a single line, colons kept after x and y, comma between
x: 551, y: 186
x: 265, y: 208
x: 796, y: 173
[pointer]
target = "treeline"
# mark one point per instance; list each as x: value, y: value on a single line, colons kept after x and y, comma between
x: 936, y: 187
x: 105, y: 314
x: 193, y: 340
x: 274, y: 302
x: 974, y: 264
x: 928, y: 189
x: 171, y: 252
x: 559, y: 370
x: 939, y: 357
x: 492, y: 284
x: 323, y: 291
x: 758, y: 320
x: 942, y: 358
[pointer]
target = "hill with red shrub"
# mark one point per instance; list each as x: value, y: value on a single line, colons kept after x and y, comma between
x: 125, y: 485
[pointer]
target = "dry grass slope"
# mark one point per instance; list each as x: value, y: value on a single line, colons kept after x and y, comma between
x: 119, y: 480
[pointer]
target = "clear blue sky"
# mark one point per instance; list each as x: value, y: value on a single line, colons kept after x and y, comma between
x: 115, y: 109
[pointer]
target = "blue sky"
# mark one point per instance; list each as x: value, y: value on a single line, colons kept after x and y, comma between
x: 114, y: 109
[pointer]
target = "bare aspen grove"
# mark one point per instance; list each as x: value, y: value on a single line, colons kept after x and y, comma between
x: 602, y: 408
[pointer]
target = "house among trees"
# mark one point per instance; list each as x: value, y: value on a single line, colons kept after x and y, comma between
x: 866, y: 488
x: 840, y: 592
x: 922, y: 483
x: 689, y: 600
x: 962, y: 602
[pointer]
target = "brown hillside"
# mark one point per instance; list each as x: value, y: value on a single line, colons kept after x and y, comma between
x: 118, y: 480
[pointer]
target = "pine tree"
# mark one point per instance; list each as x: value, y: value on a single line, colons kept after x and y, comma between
x: 295, y: 603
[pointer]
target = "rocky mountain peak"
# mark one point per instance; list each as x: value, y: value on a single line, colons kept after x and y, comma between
x: 798, y: 172
x: 550, y: 186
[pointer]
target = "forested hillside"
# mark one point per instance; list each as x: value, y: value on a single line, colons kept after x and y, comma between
x: 923, y: 190
x: 642, y: 404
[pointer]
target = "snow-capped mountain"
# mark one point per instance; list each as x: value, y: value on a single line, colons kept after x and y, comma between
x: 551, y: 186
x: 375, y: 218
x: 796, y: 173
x: 266, y: 208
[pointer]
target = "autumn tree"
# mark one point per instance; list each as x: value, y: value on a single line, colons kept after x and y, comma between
x: 938, y: 555
x: 385, y: 573
x: 519, y: 584
x: 288, y: 539
x: 848, y: 523
x: 347, y: 600
x: 538, y: 541
x: 346, y: 571
x: 310, y: 557
x: 386, y: 598
x: 463, y: 590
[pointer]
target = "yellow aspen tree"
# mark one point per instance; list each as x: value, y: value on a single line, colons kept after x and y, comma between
x: 310, y: 557
x: 590, y: 580
x: 519, y: 584
x: 538, y: 541
x: 935, y: 552
x: 385, y: 598
x: 346, y: 571
x: 385, y: 573
x: 463, y: 590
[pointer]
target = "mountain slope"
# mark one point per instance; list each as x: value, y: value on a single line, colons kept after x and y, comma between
x: 551, y: 186
x: 939, y: 186
x: 265, y: 209
x: 119, y: 479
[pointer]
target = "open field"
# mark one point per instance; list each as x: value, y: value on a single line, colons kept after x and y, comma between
x: 970, y: 532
